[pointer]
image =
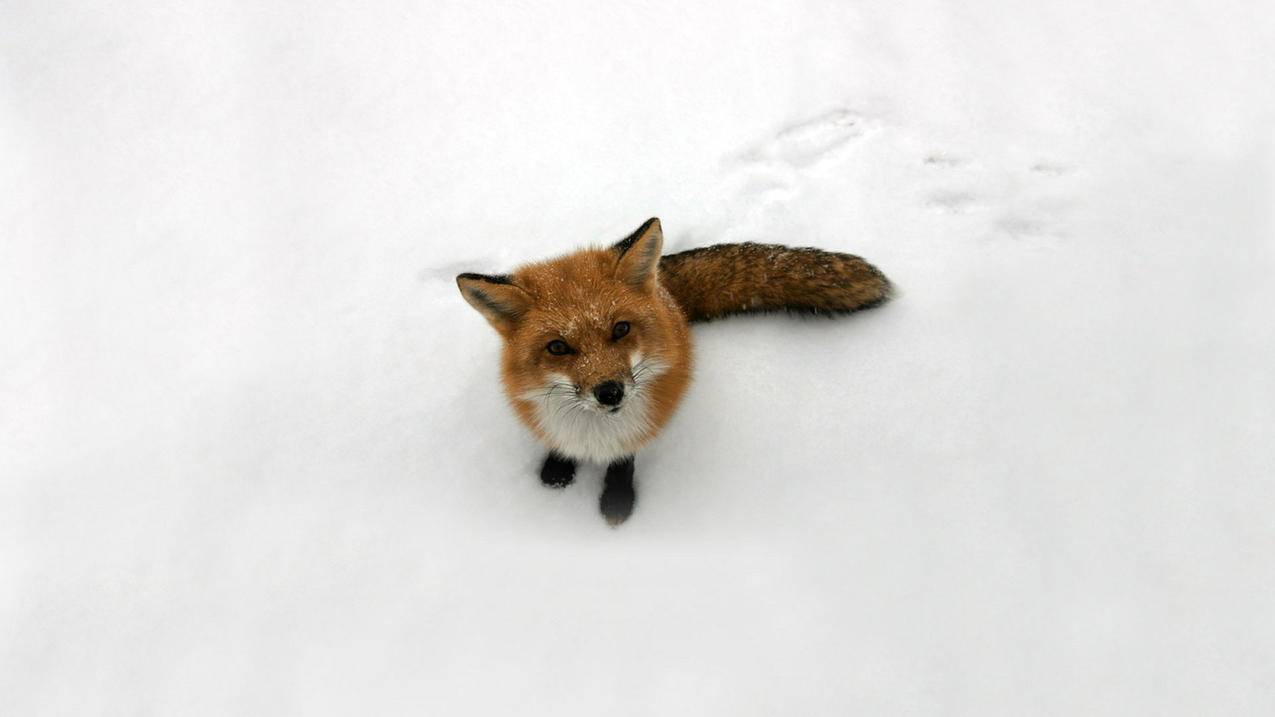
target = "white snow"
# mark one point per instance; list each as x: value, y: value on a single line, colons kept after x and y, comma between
x: 254, y: 458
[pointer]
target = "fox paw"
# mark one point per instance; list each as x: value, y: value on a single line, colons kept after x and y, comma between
x: 557, y: 472
x: 618, y: 495
x: 617, y: 503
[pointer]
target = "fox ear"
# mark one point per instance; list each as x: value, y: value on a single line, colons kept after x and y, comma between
x: 640, y: 254
x: 495, y: 297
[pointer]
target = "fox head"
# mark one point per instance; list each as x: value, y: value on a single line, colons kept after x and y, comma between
x: 596, y: 353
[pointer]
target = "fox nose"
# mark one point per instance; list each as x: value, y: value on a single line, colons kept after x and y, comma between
x: 609, y: 393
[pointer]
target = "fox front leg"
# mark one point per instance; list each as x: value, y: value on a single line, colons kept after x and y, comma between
x: 558, y: 471
x: 618, y: 495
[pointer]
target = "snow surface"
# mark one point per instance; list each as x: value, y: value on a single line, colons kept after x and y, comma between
x: 254, y: 455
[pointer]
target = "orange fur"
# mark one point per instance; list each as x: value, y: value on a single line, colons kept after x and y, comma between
x: 579, y: 298
x: 726, y: 279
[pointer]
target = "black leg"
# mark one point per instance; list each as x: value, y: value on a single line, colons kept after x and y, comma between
x: 558, y: 471
x: 618, y: 496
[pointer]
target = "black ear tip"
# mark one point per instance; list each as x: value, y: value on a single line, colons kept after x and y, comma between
x: 624, y: 244
x: 489, y: 278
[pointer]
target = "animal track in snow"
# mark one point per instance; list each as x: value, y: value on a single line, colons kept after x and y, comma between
x: 1042, y: 202
x: 943, y: 160
x: 808, y: 142
x: 771, y: 171
x: 818, y: 139
x: 1018, y: 227
x: 954, y: 195
x: 952, y: 201
x: 1031, y: 201
x: 1052, y: 169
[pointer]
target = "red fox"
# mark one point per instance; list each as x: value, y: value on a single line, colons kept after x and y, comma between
x: 597, y: 343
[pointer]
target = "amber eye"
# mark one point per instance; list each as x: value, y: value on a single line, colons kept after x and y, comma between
x: 620, y: 331
x: 558, y: 347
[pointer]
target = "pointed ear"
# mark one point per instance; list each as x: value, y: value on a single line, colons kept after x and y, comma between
x: 640, y: 255
x: 495, y: 297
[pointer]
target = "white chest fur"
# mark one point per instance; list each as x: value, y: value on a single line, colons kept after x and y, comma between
x: 579, y: 427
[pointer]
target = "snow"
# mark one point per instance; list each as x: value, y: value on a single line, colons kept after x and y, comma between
x: 256, y: 459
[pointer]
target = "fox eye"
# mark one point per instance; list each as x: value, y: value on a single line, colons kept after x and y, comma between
x: 558, y: 347
x: 620, y: 330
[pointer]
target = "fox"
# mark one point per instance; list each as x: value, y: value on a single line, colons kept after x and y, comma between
x: 597, y: 350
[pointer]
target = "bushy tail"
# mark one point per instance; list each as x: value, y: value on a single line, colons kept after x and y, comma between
x: 726, y: 279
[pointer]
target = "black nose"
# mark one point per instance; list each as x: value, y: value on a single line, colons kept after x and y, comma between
x: 609, y: 393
